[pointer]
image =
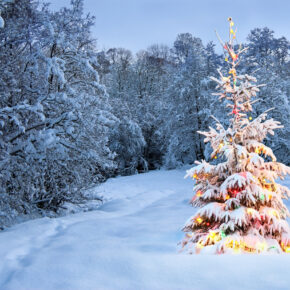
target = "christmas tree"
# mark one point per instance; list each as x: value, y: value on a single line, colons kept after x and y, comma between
x: 241, y: 207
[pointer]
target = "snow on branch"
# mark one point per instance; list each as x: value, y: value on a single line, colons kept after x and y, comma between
x: 236, y: 180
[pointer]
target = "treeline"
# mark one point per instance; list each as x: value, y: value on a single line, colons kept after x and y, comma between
x: 72, y: 116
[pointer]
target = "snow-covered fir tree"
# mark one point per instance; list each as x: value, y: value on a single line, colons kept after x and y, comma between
x: 241, y: 207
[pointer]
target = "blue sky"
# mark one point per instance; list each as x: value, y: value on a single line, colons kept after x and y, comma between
x: 136, y: 24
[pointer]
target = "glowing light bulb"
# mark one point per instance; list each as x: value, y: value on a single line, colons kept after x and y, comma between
x: 199, y: 245
x: 222, y: 234
x: 215, y: 157
x: 212, y: 235
x: 287, y: 249
x: 274, y: 213
x: 199, y: 193
x: 250, y: 210
x: 250, y: 118
x: 261, y: 246
x: 227, y: 197
x: 199, y: 220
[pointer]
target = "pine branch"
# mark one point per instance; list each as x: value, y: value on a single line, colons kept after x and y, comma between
x: 217, y: 121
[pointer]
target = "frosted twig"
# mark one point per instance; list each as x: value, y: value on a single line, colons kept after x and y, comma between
x: 255, y: 101
x: 271, y: 109
x: 255, y: 70
x: 217, y: 121
x: 220, y: 40
x: 219, y: 71
x: 243, y: 50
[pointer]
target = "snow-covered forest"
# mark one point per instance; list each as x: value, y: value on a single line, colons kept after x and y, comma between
x: 72, y: 115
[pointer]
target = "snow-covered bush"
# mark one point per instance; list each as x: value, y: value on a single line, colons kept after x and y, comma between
x: 54, y: 114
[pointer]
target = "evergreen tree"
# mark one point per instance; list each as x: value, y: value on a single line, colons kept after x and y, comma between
x: 241, y: 204
x: 269, y: 56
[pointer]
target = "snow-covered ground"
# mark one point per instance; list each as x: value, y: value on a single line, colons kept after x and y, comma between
x: 129, y: 243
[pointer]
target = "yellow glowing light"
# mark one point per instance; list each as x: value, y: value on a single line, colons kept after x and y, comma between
x: 274, y: 213
x: 235, y: 245
x: 212, y: 235
x: 199, y: 193
x: 226, y: 59
x: 233, y: 71
x: 287, y: 249
x: 227, y: 197
x: 237, y: 250
x: 215, y: 237
x: 270, y: 196
x: 199, y: 220
x: 231, y: 23
x: 250, y: 118
x: 261, y: 246
x: 250, y: 210
x: 194, y: 176
x: 215, y: 157
x: 199, y: 245
x: 257, y: 150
